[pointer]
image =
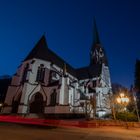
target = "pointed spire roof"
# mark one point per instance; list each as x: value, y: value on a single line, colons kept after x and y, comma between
x: 97, y: 49
x: 40, y: 49
x: 96, y: 44
x: 95, y: 33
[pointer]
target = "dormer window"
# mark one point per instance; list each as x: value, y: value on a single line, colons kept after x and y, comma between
x: 40, y: 74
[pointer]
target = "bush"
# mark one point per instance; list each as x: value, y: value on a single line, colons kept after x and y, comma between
x: 126, y: 116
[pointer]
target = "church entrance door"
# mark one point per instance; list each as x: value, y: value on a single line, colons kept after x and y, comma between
x: 37, y: 106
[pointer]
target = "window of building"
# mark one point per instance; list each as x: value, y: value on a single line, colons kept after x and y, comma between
x: 40, y: 74
x: 53, y: 98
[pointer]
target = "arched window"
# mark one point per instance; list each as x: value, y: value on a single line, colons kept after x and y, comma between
x: 53, y: 98
x: 25, y: 74
x: 40, y: 74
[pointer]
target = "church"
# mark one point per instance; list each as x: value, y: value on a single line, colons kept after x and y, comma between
x: 46, y: 84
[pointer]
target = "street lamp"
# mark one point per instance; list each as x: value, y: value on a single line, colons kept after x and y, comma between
x: 123, y: 100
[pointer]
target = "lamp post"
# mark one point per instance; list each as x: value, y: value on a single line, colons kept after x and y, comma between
x: 123, y: 100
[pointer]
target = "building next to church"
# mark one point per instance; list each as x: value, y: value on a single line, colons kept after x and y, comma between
x: 46, y: 84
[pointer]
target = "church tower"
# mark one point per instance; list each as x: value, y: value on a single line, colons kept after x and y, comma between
x: 97, y: 54
x: 99, y: 64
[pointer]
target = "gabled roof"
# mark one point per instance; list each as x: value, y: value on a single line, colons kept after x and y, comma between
x: 41, y: 51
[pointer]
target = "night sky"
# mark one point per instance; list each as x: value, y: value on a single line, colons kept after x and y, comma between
x: 68, y: 27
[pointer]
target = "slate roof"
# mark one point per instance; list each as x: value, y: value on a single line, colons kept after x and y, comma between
x: 41, y: 51
x: 89, y: 72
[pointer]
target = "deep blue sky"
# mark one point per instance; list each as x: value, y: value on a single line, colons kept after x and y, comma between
x: 68, y: 27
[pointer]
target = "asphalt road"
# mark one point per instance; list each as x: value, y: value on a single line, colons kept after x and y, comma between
x: 20, y: 132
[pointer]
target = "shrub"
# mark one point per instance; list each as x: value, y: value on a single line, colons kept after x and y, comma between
x: 126, y: 116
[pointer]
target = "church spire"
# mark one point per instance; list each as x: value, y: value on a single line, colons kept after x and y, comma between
x: 96, y: 39
x: 97, y: 53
